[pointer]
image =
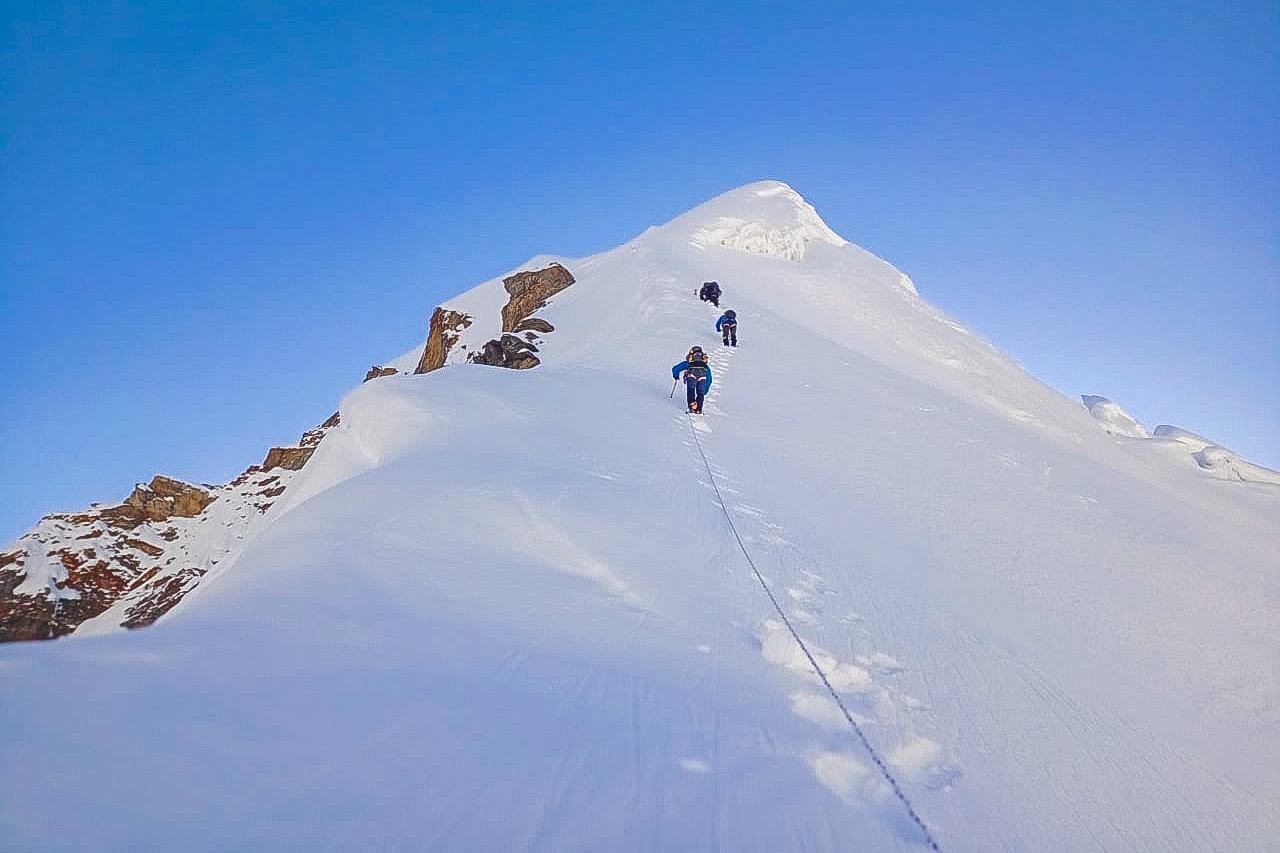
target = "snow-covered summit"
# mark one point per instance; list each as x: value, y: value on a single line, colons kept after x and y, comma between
x: 890, y: 589
x: 766, y: 217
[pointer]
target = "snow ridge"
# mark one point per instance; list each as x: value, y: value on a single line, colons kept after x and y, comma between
x: 533, y: 578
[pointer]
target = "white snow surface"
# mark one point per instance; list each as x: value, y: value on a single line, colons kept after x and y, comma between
x: 507, y: 610
x: 1114, y: 419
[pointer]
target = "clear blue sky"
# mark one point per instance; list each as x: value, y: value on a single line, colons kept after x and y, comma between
x: 214, y: 217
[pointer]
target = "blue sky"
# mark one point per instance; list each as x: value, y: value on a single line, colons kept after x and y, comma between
x: 215, y: 217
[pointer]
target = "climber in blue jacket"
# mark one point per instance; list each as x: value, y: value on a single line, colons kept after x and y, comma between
x: 727, y: 326
x: 697, y: 378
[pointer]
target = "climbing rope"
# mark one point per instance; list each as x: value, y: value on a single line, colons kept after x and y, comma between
x: 857, y: 730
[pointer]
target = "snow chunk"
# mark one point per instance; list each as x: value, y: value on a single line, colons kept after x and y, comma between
x: 1226, y: 465
x: 922, y: 761
x: 818, y: 709
x: 1114, y: 419
x: 843, y: 774
x: 1221, y: 462
x: 1182, y: 436
x: 780, y: 647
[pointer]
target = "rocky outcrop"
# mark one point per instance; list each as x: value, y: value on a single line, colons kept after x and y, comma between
x: 289, y: 458
x: 377, y: 372
x: 130, y: 563
x: 530, y: 291
x: 442, y: 334
x: 164, y: 498
x: 509, y: 351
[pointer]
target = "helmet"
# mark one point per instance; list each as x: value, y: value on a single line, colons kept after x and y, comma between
x: 695, y: 348
x: 730, y: 313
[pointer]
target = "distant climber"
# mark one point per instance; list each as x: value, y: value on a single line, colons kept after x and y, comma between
x: 697, y: 378
x: 710, y: 292
x: 727, y: 326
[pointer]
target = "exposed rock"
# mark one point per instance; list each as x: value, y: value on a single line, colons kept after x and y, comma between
x: 43, y: 616
x: 530, y: 291
x: 376, y: 372
x: 145, y: 554
x: 161, y: 596
x: 441, y: 336
x: 312, y: 437
x: 163, y: 498
x: 510, y: 352
x: 534, y: 324
x: 290, y: 458
x: 145, y: 547
x: 25, y: 616
x: 188, y: 501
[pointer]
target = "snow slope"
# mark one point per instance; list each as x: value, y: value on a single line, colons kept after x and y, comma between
x: 535, y: 610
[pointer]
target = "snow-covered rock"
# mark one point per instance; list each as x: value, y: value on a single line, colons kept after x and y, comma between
x: 125, y: 565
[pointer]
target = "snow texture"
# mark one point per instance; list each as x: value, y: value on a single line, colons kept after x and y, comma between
x: 517, y: 594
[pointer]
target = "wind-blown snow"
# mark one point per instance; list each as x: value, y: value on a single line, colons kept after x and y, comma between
x: 1114, y: 419
x: 506, y: 610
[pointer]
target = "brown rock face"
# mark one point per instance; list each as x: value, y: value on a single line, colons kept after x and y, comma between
x: 530, y: 291
x: 22, y: 617
x: 510, y: 352
x: 441, y: 336
x: 41, y: 616
x: 164, y: 498
x: 292, y: 458
x: 377, y: 372
x: 534, y: 324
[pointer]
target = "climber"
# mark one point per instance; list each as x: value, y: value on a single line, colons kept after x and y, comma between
x: 710, y: 292
x: 697, y: 378
x: 727, y: 326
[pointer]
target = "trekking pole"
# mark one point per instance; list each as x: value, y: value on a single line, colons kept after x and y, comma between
x: 672, y: 395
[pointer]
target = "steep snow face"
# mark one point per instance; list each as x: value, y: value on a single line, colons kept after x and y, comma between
x: 553, y: 596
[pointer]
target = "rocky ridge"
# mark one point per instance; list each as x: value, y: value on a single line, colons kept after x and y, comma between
x: 127, y: 564
x: 515, y: 348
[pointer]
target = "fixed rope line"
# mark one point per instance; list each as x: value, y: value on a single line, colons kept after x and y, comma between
x: 857, y: 729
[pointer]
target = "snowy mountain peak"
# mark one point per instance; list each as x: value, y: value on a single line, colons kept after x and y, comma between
x: 884, y: 587
x: 766, y: 217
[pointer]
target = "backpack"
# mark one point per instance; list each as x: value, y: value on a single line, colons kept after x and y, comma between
x: 729, y: 319
x: 697, y: 368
